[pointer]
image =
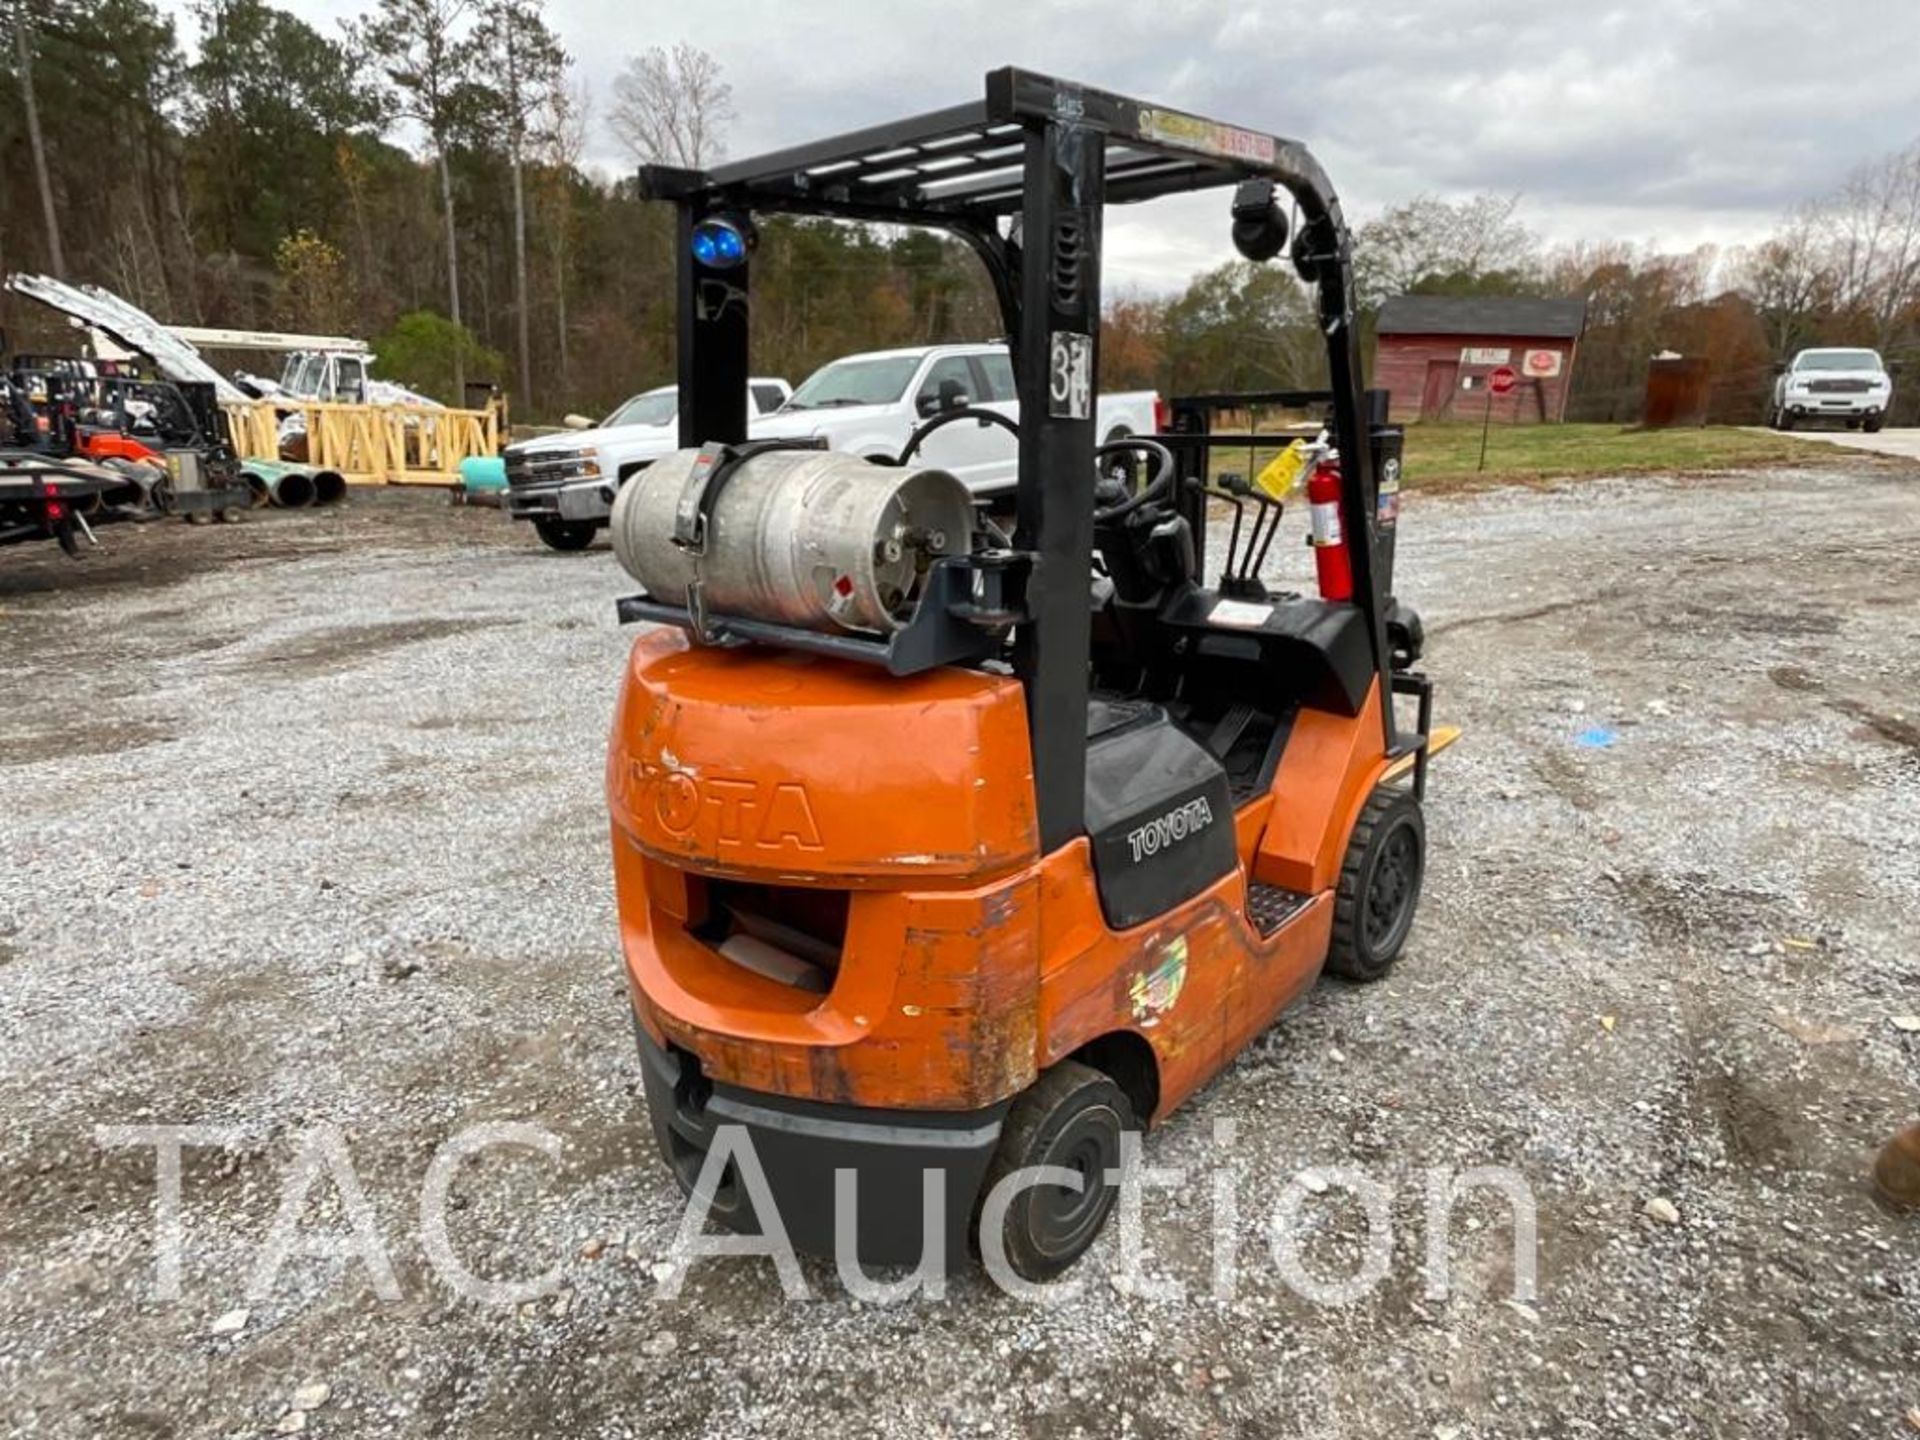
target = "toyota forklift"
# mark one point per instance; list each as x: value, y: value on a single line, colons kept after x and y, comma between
x: 944, y: 848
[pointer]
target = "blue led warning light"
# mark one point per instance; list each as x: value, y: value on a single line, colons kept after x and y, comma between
x: 720, y: 244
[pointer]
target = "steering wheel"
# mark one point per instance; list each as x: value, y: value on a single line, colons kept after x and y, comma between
x: 947, y: 417
x: 1155, y: 488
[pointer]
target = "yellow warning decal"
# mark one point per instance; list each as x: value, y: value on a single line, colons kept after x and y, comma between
x: 1210, y: 137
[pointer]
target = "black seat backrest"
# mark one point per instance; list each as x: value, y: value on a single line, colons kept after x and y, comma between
x: 1276, y: 652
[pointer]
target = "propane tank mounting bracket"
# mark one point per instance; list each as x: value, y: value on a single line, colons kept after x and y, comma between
x: 963, y: 617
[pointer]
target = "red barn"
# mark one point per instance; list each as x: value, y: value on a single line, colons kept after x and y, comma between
x: 1435, y: 352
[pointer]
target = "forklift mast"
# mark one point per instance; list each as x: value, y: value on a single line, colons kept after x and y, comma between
x: 1023, y: 177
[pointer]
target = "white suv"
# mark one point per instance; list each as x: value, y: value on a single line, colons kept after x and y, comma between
x: 1849, y: 385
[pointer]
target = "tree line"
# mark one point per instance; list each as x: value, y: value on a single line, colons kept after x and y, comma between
x: 420, y: 178
x: 1843, y: 268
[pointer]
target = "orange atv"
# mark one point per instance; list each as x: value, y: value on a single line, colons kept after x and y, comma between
x: 942, y: 852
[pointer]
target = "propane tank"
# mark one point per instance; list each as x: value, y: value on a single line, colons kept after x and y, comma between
x: 1329, y: 541
x: 811, y: 538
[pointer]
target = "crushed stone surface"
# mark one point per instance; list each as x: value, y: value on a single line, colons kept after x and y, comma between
x: 303, y: 828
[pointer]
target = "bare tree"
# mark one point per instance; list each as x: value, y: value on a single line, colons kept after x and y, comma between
x: 1870, y: 229
x: 1787, y: 278
x: 427, y: 54
x: 21, y: 23
x: 562, y: 139
x: 529, y: 65
x: 1428, y: 238
x: 672, y: 107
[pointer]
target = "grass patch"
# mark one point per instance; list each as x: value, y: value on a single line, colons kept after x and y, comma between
x: 1445, y: 455
x: 1450, y: 451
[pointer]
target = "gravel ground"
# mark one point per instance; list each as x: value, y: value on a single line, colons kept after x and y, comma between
x: 303, y: 828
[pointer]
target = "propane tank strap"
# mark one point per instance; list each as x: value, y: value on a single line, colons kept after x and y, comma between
x: 701, y: 490
x: 690, y: 515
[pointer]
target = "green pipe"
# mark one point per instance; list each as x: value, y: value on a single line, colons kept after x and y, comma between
x: 290, y: 487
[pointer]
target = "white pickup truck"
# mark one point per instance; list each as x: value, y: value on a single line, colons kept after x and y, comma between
x: 870, y: 404
x: 1850, y: 385
x: 565, y: 483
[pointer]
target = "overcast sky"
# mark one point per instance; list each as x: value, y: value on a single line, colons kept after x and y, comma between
x: 1678, y: 122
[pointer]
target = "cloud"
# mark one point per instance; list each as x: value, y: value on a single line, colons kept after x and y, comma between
x: 1673, y: 121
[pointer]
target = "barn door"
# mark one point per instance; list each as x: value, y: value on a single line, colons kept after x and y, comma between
x: 1436, y: 397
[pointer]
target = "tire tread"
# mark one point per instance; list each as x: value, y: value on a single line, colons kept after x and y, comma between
x: 1344, y: 954
x: 1036, y: 1107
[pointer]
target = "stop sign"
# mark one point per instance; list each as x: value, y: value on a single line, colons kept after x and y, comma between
x: 1502, y: 380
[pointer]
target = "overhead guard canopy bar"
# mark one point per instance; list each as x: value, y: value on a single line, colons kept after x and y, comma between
x: 967, y: 159
x: 1049, y: 155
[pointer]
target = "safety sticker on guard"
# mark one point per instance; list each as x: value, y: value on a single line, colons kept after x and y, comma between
x: 1240, y: 614
x: 1209, y: 137
x: 1387, y: 511
x: 1154, y: 991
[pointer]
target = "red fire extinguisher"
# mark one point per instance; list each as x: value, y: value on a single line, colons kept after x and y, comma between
x: 1329, y: 539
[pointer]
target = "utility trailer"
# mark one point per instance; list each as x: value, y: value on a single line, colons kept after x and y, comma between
x: 46, y: 492
x: 163, y: 443
x: 43, y: 499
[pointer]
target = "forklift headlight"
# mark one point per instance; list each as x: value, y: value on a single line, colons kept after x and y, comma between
x: 1259, y: 227
x: 722, y: 242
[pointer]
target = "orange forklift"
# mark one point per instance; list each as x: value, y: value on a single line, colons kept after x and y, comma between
x: 945, y: 849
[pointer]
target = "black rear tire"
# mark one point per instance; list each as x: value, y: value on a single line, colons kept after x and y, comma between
x: 1379, y: 886
x: 1071, y: 1117
x: 565, y: 535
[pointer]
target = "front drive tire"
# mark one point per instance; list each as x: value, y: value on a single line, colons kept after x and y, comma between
x: 1379, y: 886
x: 1872, y: 427
x: 1071, y: 1117
x: 565, y: 534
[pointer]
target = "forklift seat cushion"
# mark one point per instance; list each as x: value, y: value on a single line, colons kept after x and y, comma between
x: 1158, y: 812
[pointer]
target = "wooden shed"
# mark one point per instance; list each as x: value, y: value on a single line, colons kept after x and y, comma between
x: 1435, y: 352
